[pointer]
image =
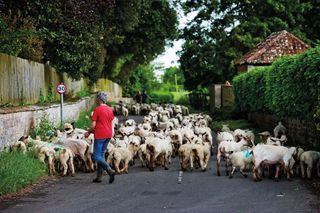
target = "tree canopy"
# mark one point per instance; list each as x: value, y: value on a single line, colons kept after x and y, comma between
x: 88, y: 38
x: 223, y: 31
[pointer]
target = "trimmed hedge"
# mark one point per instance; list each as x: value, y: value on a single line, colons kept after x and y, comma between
x: 288, y: 88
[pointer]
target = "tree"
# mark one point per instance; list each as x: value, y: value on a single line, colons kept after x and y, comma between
x: 142, y: 78
x: 95, y: 38
x: 223, y: 31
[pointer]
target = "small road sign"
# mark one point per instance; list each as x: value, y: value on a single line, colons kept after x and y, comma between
x: 61, y: 88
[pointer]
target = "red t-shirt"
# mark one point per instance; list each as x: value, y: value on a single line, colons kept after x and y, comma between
x: 103, y: 115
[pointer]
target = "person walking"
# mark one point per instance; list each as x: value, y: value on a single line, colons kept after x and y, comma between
x: 138, y: 97
x: 144, y: 97
x: 102, y: 128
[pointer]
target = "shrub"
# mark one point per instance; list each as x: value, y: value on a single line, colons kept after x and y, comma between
x: 18, y: 170
x: 288, y: 88
x: 43, y: 128
x: 161, y: 97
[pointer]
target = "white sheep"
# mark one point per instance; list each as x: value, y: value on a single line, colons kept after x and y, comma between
x: 226, y: 147
x: 311, y: 159
x: 157, y: 147
x: 272, y: 155
x: 241, y: 160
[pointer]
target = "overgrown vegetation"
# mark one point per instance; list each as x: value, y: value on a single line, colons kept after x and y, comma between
x: 84, y: 120
x: 18, y: 170
x: 44, y: 128
x: 289, y: 88
x: 161, y: 97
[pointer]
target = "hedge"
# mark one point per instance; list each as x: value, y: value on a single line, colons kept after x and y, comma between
x: 290, y: 87
x: 161, y: 97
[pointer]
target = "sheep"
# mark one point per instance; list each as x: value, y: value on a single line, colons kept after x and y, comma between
x: 65, y: 157
x: 157, y: 147
x: 130, y: 122
x: 264, y: 136
x: 176, y: 139
x: 279, y: 130
x: 184, y: 155
x: 226, y: 147
x: 240, y: 159
x: 185, y: 110
x: 224, y: 136
x: 19, y: 146
x: 311, y: 159
x: 239, y: 134
x: 125, y: 155
x: 187, y: 134
x: 47, y: 152
x: 200, y: 151
x: 142, y: 154
x: 125, y: 112
x: 79, y: 148
x: 225, y: 128
x: 269, y: 154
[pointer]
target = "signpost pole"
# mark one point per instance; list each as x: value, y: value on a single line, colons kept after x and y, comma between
x: 61, y: 89
x: 61, y: 109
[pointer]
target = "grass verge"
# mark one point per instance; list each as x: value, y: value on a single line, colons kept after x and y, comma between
x: 19, y: 170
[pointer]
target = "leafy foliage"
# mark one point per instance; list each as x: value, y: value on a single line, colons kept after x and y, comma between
x: 222, y: 31
x: 290, y: 87
x: 161, y: 97
x: 142, y: 78
x: 43, y: 128
x: 94, y: 38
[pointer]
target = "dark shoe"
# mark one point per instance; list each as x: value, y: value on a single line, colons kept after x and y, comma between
x: 111, y: 174
x: 99, y: 175
x: 97, y: 180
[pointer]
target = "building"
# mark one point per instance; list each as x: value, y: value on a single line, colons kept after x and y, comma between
x: 276, y: 45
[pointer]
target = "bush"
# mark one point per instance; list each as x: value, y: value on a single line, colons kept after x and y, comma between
x: 43, y: 128
x: 161, y: 97
x: 288, y: 88
x: 181, y: 98
x: 18, y: 170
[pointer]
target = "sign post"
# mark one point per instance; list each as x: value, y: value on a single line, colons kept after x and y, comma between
x: 61, y: 89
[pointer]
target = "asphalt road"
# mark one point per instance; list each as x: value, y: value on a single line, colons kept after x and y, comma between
x: 159, y: 191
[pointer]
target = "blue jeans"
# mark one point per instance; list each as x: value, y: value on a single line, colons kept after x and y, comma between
x: 99, y: 149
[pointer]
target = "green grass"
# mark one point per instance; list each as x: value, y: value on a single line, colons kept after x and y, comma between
x: 180, y: 98
x: 18, y: 170
x: 84, y: 120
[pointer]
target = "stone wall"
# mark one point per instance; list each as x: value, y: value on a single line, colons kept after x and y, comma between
x: 17, y: 121
x: 302, y: 133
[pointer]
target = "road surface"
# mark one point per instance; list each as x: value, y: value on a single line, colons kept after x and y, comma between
x: 159, y: 191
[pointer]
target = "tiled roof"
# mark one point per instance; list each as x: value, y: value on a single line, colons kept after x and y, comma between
x: 276, y: 45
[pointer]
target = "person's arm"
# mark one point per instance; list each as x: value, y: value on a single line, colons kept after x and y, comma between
x: 92, y: 127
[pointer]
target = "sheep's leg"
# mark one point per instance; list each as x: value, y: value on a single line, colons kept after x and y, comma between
x: 65, y: 166
x: 191, y: 162
x: 309, y: 171
x: 90, y: 163
x: 255, y: 171
x: 276, y: 178
x: 116, y: 166
x: 241, y: 171
x: 227, y: 166
x: 288, y: 170
x: 71, y: 166
x: 302, y: 170
x: 165, y: 161
x: 232, y: 172
x: 218, y: 164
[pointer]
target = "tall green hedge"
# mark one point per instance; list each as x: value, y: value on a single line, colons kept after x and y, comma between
x: 288, y: 88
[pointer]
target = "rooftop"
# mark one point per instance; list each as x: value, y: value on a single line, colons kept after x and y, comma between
x: 274, y: 46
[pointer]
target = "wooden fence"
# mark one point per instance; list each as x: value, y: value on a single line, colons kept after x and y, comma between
x: 26, y: 82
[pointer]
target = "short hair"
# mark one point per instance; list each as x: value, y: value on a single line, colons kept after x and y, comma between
x: 102, y: 96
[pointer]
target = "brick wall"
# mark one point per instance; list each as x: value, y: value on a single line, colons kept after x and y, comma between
x: 302, y: 133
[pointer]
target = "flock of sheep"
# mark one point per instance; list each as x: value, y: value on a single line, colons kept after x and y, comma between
x: 168, y: 131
